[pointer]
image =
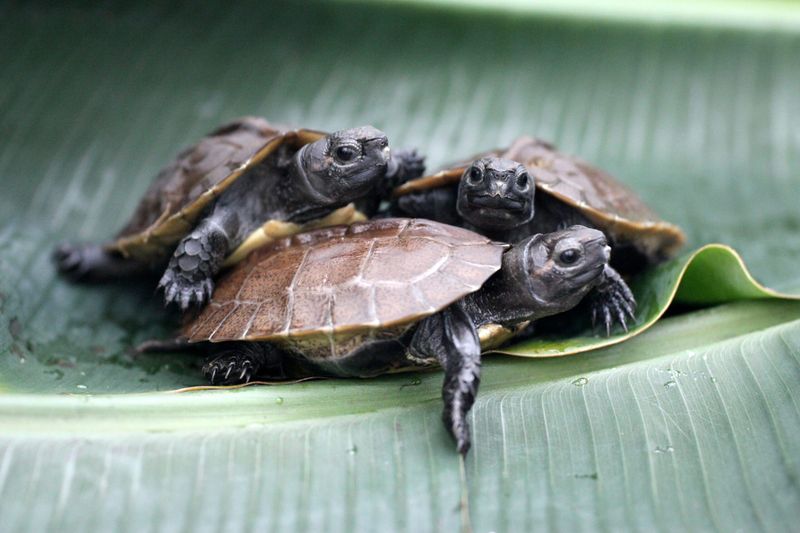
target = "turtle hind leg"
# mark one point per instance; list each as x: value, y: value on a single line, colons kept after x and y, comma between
x: 90, y: 263
x: 238, y: 363
x: 452, y: 339
x: 612, y: 301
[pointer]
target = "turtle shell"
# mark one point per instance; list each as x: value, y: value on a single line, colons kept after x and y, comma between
x: 607, y: 203
x: 347, y: 280
x: 173, y: 203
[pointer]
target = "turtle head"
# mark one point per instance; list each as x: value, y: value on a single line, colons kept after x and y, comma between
x: 496, y: 194
x: 559, y: 268
x: 345, y: 165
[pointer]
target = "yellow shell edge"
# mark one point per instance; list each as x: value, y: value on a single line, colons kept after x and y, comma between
x: 273, y: 230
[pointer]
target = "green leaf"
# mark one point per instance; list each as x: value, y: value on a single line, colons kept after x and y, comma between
x: 713, y: 274
x: 694, y: 424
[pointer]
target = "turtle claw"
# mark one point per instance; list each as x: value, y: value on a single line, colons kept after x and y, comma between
x: 238, y: 369
x: 180, y: 290
x: 239, y: 363
x: 612, y: 301
x: 247, y: 368
x: 186, y: 297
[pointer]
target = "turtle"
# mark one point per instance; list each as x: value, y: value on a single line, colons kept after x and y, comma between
x: 531, y: 187
x: 244, y: 184
x: 389, y: 295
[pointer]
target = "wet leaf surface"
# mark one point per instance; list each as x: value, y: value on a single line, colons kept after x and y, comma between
x: 694, y: 424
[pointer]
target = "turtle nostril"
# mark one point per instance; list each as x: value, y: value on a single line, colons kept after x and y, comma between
x: 497, y: 189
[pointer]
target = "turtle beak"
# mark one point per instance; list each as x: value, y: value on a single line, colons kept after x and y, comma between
x: 379, y: 146
x: 497, y: 188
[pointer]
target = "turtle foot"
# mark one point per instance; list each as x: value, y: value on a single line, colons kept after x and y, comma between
x: 89, y: 263
x: 612, y: 301
x: 238, y: 363
x: 458, y: 392
x: 411, y: 163
x: 231, y: 368
x: 456, y: 424
x: 184, y: 291
x: 70, y: 261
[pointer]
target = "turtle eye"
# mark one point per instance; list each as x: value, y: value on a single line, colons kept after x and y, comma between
x: 345, y: 153
x: 475, y: 175
x: 569, y: 256
x: 523, y: 181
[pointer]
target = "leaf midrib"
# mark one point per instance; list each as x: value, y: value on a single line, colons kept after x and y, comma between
x: 306, y: 402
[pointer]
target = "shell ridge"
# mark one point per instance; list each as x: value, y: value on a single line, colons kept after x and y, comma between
x: 290, y: 292
x: 365, y: 263
x: 249, y: 324
x: 472, y: 263
x: 449, y: 259
x: 222, y: 322
x: 372, y: 305
x: 484, y: 241
x: 408, y: 225
x: 431, y: 270
x: 372, y: 308
x: 420, y: 297
x: 201, y: 323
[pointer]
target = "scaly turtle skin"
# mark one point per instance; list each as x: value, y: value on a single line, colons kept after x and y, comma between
x: 495, y: 194
x: 243, y: 185
x: 388, y: 295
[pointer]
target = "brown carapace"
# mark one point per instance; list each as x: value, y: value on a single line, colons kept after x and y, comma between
x: 182, y: 190
x: 607, y: 203
x: 335, y: 281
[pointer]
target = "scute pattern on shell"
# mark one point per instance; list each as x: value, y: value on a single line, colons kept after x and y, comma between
x: 198, y: 168
x: 576, y: 182
x: 370, y: 275
x: 610, y: 205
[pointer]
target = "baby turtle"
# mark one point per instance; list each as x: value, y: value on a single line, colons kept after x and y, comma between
x: 494, y: 194
x: 245, y: 184
x: 388, y: 295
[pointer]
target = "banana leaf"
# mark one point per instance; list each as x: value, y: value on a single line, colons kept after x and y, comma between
x: 691, y: 424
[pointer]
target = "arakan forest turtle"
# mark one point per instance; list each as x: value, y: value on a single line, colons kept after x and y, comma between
x: 244, y: 184
x: 390, y: 294
x: 494, y: 195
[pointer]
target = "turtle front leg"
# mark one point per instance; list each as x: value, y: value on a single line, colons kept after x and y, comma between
x: 612, y: 301
x: 189, y: 277
x: 437, y: 204
x: 238, y: 363
x: 452, y: 339
x: 405, y: 165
